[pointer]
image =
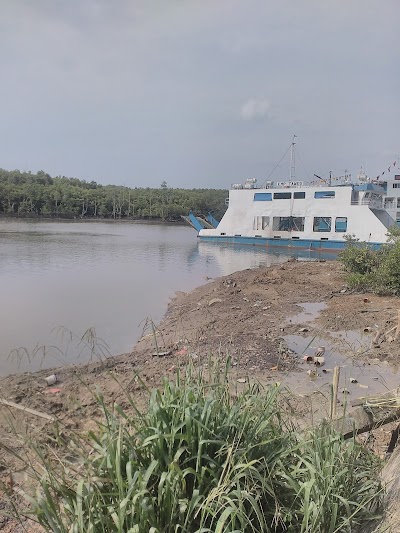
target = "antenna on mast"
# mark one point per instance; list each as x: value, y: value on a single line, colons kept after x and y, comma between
x: 292, y: 159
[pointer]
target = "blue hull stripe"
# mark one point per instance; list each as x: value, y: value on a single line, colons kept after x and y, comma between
x: 308, y: 244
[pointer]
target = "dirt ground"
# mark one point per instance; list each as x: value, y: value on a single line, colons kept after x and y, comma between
x: 244, y: 316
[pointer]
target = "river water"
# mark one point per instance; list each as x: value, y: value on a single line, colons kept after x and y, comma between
x: 59, y: 279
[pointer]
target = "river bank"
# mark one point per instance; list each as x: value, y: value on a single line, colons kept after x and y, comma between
x: 249, y: 317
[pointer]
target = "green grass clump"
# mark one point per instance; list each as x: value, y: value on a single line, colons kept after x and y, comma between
x: 205, y: 460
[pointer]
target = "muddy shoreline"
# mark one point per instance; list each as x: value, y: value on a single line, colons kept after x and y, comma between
x: 247, y: 317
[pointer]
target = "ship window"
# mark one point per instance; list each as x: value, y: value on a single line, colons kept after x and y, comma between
x: 262, y: 197
x: 396, y: 185
x: 298, y: 223
x: 322, y: 224
x: 288, y: 224
x: 223, y: 233
x: 389, y: 202
x: 398, y: 216
x: 341, y: 224
x: 260, y: 222
x: 355, y: 197
x: 398, y: 203
x: 295, y: 237
x: 299, y: 195
x: 324, y: 194
x: 281, y: 224
x: 282, y: 195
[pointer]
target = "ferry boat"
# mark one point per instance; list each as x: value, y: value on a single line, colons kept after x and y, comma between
x: 392, y: 198
x: 295, y: 214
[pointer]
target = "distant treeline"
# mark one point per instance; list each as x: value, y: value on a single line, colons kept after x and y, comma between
x: 25, y: 194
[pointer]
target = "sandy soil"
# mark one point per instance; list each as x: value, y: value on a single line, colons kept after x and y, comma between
x: 244, y: 316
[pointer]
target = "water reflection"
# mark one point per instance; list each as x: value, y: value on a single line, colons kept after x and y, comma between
x: 104, y: 275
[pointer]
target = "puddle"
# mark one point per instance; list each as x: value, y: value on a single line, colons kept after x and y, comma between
x: 371, y: 379
x: 310, y: 312
x: 343, y: 350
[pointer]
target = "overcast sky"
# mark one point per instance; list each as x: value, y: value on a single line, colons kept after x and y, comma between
x: 200, y: 93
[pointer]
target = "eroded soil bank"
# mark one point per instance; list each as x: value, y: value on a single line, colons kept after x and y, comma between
x: 247, y: 317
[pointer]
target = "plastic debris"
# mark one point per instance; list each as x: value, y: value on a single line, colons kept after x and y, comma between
x: 303, y: 330
x: 308, y: 358
x: 345, y: 391
x: 214, y: 301
x: 183, y: 351
x: 51, y: 380
x: 161, y: 354
x: 319, y: 361
x: 353, y: 380
x: 312, y: 373
x: 241, y: 380
x: 53, y: 390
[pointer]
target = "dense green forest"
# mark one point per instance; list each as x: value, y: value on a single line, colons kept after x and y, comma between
x: 24, y: 194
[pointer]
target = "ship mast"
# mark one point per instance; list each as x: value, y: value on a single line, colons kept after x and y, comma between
x: 292, y: 159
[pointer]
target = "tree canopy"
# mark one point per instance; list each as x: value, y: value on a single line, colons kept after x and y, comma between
x: 25, y: 194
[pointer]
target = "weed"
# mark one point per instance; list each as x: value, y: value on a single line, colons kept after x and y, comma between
x: 204, y: 460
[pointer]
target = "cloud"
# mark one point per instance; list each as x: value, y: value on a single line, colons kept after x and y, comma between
x: 193, y: 91
x: 255, y: 109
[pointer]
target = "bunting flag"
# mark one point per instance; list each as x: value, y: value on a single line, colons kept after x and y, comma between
x: 389, y: 168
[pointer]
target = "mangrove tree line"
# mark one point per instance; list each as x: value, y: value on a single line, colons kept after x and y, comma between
x: 25, y: 194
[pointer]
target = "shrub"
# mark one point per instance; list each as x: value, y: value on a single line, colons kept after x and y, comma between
x: 204, y: 460
x: 375, y: 270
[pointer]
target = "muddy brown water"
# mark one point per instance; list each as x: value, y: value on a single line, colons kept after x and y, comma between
x: 360, y: 374
x: 58, y: 279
